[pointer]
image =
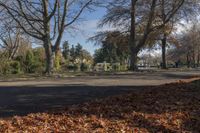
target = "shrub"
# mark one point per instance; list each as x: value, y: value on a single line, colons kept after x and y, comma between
x: 14, y: 67
x: 37, y: 67
x: 10, y: 67
x: 5, y: 68
x: 84, y: 67
x: 72, y: 67
x: 31, y: 62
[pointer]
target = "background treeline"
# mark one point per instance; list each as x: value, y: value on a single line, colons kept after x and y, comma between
x: 138, y: 25
x: 182, y: 49
x: 32, y: 60
x: 17, y: 55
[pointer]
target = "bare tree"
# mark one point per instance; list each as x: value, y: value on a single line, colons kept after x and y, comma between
x: 45, y: 20
x: 10, y: 37
x: 188, y: 50
x: 141, y: 19
x: 183, y: 9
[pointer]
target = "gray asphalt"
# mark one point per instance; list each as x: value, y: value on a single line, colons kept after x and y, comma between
x: 24, y: 97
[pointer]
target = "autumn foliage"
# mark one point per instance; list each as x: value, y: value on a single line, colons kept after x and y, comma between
x: 167, y: 108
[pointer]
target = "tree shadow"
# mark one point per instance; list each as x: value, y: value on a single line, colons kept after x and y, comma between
x: 154, y: 100
x: 32, y: 99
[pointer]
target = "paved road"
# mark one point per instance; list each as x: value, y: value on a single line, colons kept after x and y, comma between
x: 120, y: 79
x: 23, y: 97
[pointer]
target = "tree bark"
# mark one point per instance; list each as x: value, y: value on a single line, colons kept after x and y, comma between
x: 49, y: 56
x: 47, y: 38
x: 136, y: 46
x: 132, y: 42
x: 188, y: 60
x: 198, y: 57
x: 164, y: 43
x: 193, y: 58
x: 48, y: 50
x: 133, y: 61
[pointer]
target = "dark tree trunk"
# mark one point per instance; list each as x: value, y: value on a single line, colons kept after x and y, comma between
x: 49, y: 56
x: 164, y: 43
x: 188, y: 60
x: 135, y: 46
x: 56, y: 48
x: 193, y: 59
x: 133, y: 60
x: 47, y: 41
x: 132, y: 42
x: 198, y: 57
x: 14, y: 51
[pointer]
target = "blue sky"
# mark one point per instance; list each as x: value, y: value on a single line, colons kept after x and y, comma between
x: 87, y: 28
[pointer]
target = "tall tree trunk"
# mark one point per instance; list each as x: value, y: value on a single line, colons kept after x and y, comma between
x: 164, y: 43
x: 198, y: 57
x: 47, y: 40
x: 132, y: 42
x: 188, y: 60
x: 48, y: 51
x: 56, y: 49
x: 136, y: 46
x: 198, y: 60
x: 193, y: 59
x: 133, y: 61
x: 49, y: 56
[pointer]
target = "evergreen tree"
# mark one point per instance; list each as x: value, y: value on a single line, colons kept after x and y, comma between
x: 79, y: 51
x: 72, y: 53
x: 99, y: 56
x: 114, y: 49
x: 29, y: 62
x: 66, y: 50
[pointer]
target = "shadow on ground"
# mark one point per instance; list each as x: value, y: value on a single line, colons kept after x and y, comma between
x: 166, y: 108
x: 24, y: 100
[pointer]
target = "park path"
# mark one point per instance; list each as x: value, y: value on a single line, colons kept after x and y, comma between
x: 24, y: 97
x: 120, y: 79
